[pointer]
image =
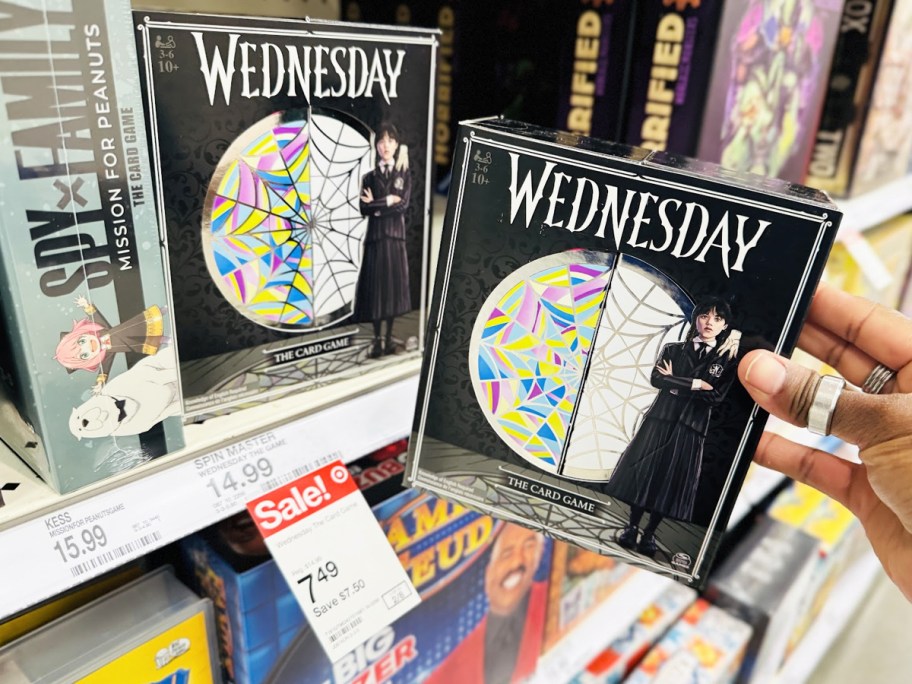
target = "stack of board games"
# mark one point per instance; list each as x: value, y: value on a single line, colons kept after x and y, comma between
x: 767, y: 85
x: 840, y: 540
x: 591, y: 305
x: 706, y: 645
x: 764, y: 582
x: 152, y: 630
x: 292, y: 180
x: 89, y: 368
x: 580, y: 582
x: 624, y: 653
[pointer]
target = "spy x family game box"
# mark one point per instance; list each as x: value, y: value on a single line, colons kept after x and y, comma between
x: 89, y: 370
x: 591, y: 305
x: 292, y: 176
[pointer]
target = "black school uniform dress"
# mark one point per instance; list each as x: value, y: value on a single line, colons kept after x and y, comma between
x: 660, y: 469
x: 383, y: 284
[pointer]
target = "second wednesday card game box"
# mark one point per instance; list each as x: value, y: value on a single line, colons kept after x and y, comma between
x: 591, y: 306
x: 292, y: 177
x: 89, y: 379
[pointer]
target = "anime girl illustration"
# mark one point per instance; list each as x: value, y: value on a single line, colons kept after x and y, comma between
x: 383, y: 284
x: 93, y: 343
x: 659, y: 470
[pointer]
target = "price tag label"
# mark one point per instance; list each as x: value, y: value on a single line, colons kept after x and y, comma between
x: 336, y: 559
x: 231, y: 476
x: 86, y: 539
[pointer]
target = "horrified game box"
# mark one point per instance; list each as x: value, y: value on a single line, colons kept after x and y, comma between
x: 292, y: 177
x: 591, y: 305
x: 89, y: 373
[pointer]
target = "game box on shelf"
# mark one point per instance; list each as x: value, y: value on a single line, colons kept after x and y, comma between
x: 292, y: 179
x: 89, y: 370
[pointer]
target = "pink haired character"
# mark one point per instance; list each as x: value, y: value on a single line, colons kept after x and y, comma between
x: 93, y: 343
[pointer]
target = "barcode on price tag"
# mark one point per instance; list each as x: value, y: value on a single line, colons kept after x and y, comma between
x: 335, y: 557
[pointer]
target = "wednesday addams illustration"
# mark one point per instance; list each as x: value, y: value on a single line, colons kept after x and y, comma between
x: 383, y: 284
x: 659, y: 470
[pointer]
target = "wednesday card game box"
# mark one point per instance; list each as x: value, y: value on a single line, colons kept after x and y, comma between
x: 591, y: 305
x: 292, y: 178
x: 89, y: 370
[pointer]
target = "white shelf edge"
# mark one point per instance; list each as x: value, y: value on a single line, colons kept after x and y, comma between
x: 168, y: 498
x: 841, y: 605
x: 876, y: 206
x: 215, y: 433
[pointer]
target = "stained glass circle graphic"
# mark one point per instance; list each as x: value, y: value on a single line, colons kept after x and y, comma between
x: 282, y: 232
x: 529, y: 348
x: 561, y: 354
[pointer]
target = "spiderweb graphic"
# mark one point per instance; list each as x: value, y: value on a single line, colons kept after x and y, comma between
x: 340, y: 155
x: 562, y: 353
x: 644, y: 311
x: 281, y: 227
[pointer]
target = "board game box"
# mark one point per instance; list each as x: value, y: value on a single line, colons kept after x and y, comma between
x: 564, y: 387
x: 153, y: 630
x: 769, y: 79
x: 670, y: 70
x: 594, y: 70
x: 885, y: 148
x: 292, y: 178
x: 705, y: 646
x: 89, y: 369
x: 845, y: 107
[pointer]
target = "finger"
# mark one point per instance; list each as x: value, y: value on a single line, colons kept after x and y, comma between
x: 786, y: 390
x: 882, y: 333
x: 852, y: 363
x: 822, y: 471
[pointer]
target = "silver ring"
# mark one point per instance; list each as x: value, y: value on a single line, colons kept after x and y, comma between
x: 877, y: 378
x: 826, y: 394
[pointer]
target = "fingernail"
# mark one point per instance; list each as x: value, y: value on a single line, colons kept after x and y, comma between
x: 766, y: 373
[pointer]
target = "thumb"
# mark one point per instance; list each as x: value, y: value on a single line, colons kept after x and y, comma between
x: 786, y: 389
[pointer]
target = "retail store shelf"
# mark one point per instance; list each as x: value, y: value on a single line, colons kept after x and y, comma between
x: 842, y: 604
x: 50, y: 542
x: 871, y: 208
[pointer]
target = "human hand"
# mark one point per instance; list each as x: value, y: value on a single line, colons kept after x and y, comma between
x: 393, y: 199
x: 367, y: 196
x: 81, y: 302
x: 664, y: 367
x: 852, y: 335
x: 705, y: 386
x: 731, y: 345
x: 402, y: 159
